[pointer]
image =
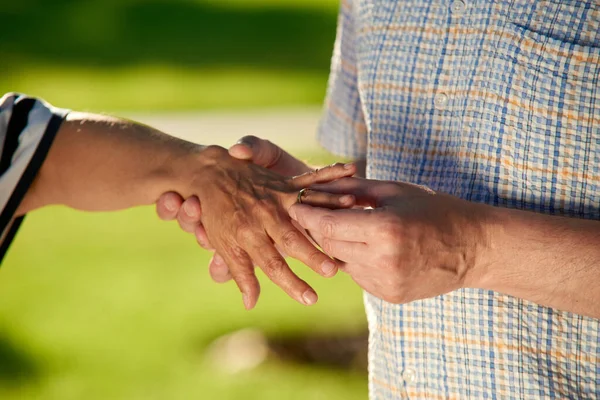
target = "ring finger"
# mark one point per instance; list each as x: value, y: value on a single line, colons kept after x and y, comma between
x: 325, y: 200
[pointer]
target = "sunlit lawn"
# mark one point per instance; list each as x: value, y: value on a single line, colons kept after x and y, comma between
x: 120, y: 306
x: 115, y: 55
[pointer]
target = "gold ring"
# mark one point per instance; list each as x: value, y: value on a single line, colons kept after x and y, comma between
x: 300, y: 194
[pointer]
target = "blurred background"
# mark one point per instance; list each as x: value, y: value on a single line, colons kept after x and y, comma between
x: 120, y: 306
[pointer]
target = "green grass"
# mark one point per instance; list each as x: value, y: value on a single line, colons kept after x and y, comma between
x: 173, y: 88
x: 168, y: 54
x: 120, y: 306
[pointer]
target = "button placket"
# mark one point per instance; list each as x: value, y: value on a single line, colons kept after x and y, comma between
x: 458, y: 7
x: 409, y: 376
x: 440, y: 100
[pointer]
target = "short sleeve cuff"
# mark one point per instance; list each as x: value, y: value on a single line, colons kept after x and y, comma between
x: 27, y: 136
x: 344, y: 138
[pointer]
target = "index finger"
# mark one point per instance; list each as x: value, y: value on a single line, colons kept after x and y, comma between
x: 353, y: 225
x: 323, y: 175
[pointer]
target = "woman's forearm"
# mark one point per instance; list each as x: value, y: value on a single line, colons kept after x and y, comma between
x: 100, y: 163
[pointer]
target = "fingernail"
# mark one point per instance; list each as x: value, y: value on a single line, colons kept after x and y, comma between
x: 293, y: 213
x: 348, y: 166
x: 328, y: 267
x: 246, y: 301
x: 188, y: 209
x: 310, y: 297
x: 170, y: 205
x: 347, y: 199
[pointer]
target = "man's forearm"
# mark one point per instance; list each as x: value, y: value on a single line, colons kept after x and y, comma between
x: 102, y: 163
x: 553, y: 261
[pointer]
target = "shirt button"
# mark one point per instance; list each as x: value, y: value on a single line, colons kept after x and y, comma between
x: 458, y: 7
x: 440, y: 100
x: 409, y: 376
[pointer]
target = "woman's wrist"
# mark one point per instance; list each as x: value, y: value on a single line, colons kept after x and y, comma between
x: 185, y: 173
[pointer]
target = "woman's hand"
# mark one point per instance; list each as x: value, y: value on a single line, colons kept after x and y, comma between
x: 171, y: 206
x: 244, y: 213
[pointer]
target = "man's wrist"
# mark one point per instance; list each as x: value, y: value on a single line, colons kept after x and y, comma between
x: 488, y: 223
x: 509, y: 253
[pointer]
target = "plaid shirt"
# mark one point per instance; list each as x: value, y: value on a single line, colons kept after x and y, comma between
x: 493, y: 101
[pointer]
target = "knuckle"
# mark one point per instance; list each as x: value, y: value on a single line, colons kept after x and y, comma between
x: 214, y: 151
x: 274, y: 268
x: 327, y: 226
x: 237, y: 254
x: 239, y: 219
x: 245, y: 233
x: 290, y: 239
x: 245, y: 277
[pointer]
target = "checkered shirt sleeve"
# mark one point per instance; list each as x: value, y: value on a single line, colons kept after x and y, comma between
x: 342, y: 130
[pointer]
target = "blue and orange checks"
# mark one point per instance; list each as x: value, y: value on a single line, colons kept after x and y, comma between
x: 491, y: 101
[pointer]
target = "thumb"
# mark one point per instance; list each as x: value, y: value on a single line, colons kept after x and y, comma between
x: 259, y: 151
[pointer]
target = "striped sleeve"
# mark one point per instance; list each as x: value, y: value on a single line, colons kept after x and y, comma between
x: 342, y: 130
x: 27, y: 129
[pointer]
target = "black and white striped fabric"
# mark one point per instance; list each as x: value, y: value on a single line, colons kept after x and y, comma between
x: 27, y: 129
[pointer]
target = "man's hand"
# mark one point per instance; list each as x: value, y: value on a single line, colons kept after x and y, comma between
x: 412, y: 244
